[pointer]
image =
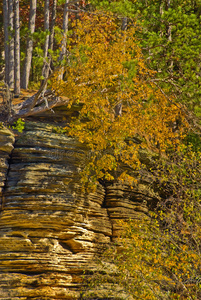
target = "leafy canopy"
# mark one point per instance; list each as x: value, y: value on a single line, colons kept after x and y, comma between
x: 106, y: 68
x: 170, y: 36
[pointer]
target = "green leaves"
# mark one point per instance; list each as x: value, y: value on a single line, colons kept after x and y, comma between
x: 19, y: 125
x: 171, y: 41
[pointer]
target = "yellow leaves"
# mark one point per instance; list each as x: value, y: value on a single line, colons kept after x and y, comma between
x: 127, y: 179
x: 106, y: 68
x: 153, y: 259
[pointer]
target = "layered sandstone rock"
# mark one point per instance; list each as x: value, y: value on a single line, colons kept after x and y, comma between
x: 6, y: 146
x: 49, y: 229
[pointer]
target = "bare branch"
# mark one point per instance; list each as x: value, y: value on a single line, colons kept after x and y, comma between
x: 26, y: 111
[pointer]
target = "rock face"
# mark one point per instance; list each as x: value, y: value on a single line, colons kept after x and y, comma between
x: 7, y: 140
x: 49, y: 229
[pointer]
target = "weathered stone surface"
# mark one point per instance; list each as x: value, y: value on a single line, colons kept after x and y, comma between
x: 6, y: 140
x: 6, y: 146
x: 49, y: 229
x: 123, y: 203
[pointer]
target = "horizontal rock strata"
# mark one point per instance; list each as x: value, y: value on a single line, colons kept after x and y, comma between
x: 6, y: 146
x: 50, y: 229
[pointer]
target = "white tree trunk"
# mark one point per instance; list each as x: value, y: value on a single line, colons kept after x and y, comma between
x: 6, y: 47
x: 17, y: 48
x: 46, y: 67
x: 118, y: 106
x: 29, y: 49
x: 11, y: 43
x: 169, y: 30
x: 54, y: 9
x: 169, y: 36
x: 65, y: 29
x: 64, y: 40
x: 46, y: 45
x: 46, y: 25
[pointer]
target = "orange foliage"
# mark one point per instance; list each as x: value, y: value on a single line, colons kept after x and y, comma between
x: 106, y: 68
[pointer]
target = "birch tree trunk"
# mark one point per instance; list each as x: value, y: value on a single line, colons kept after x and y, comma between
x: 54, y: 9
x: 169, y: 29
x: 29, y: 49
x: 64, y: 40
x: 47, y: 67
x: 46, y: 45
x: 118, y: 106
x: 17, y: 48
x: 65, y: 30
x: 11, y: 44
x: 6, y: 39
x: 169, y: 34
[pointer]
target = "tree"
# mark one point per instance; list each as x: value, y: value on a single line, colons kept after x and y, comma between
x: 53, y: 18
x: 1, y: 41
x: 63, y: 53
x: 11, y: 43
x: 29, y: 48
x: 106, y: 68
x: 49, y: 45
x: 41, y: 44
x: 46, y: 44
x: 6, y: 39
x: 169, y: 34
x: 17, y: 48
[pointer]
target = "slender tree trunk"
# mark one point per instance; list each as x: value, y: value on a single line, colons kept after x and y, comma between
x: 46, y: 69
x: 54, y: 9
x: 6, y: 40
x: 118, y: 106
x: 161, y: 11
x: 11, y: 43
x: 29, y: 49
x: 169, y: 34
x: 64, y: 40
x: 46, y: 25
x: 65, y: 30
x: 17, y: 48
x: 124, y: 23
x: 169, y: 29
x: 46, y: 45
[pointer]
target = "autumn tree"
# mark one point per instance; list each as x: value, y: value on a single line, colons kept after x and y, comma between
x: 105, y: 68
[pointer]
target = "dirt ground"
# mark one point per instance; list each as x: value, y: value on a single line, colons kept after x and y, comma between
x: 4, y: 107
x: 24, y: 94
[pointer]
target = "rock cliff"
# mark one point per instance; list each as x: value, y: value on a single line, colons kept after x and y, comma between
x: 49, y: 229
